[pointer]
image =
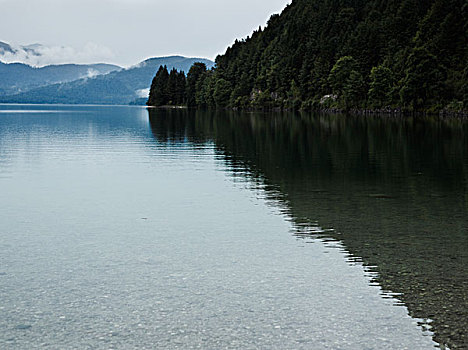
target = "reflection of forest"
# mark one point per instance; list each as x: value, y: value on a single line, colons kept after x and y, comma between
x: 394, y: 190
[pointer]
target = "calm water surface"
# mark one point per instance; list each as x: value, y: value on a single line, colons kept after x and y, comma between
x: 122, y: 228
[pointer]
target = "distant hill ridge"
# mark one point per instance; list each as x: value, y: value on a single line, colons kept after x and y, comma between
x: 117, y: 87
x: 20, y: 77
x: 4, y: 47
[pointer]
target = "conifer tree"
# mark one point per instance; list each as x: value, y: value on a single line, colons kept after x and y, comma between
x: 158, y: 91
x: 195, y: 73
x: 422, y: 43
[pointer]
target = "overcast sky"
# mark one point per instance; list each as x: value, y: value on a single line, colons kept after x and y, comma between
x: 127, y: 31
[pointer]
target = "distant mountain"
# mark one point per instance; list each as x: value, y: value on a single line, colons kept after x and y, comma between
x: 32, y: 49
x: 118, y: 87
x: 18, y: 77
x: 39, y: 55
x: 5, y: 48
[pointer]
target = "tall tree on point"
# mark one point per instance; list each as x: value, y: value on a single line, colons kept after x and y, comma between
x: 196, y: 72
x: 158, y: 90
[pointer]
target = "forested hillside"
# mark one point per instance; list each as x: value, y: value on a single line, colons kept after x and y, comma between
x: 347, y: 54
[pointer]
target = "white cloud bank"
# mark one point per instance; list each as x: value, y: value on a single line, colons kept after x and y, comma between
x: 40, y: 55
x: 135, y: 29
x: 143, y: 93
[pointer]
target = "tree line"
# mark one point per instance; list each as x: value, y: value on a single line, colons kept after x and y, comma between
x: 168, y: 88
x: 343, y: 54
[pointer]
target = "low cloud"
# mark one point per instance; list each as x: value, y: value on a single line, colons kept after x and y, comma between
x: 40, y: 55
x: 143, y: 93
x: 91, y: 73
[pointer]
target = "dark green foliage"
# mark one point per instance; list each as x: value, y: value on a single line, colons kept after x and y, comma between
x: 167, y: 88
x: 180, y: 96
x: 353, y: 93
x: 423, y: 81
x: 158, y: 93
x: 204, y: 88
x: 465, y: 86
x: 381, y: 86
x: 176, y: 86
x: 222, y: 92
x: 196, y: 72
x: 294, y: 96
x: 422, y: 45
x: 346, y: 81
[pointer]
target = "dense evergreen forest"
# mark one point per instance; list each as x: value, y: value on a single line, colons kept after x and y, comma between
x: 168, y: 88
x: 346, y: 54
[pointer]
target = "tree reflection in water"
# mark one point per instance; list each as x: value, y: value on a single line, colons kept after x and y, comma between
x: 392, y: 190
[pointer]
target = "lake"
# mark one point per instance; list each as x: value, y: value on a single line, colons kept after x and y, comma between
x: 123, y: 228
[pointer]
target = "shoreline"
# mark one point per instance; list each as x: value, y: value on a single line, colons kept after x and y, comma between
x: 399, y: 112
x: 388, y: 112
x: 167, y: 107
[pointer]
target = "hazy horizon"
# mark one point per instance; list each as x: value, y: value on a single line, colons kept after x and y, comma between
x: 126, y: 32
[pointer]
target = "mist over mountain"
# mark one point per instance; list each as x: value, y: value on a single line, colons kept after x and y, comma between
x: 118, y: 87
x: 5, y: 48
x: 39, y: 55
x: 18, y: 77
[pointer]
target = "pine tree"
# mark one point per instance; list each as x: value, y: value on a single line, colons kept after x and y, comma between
x: 158, y: 91
x: 305, y: 42
x: 195, y: 73
x: 172, y: 87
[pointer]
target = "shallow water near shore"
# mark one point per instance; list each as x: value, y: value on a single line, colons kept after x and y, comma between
x: 126, y: 228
